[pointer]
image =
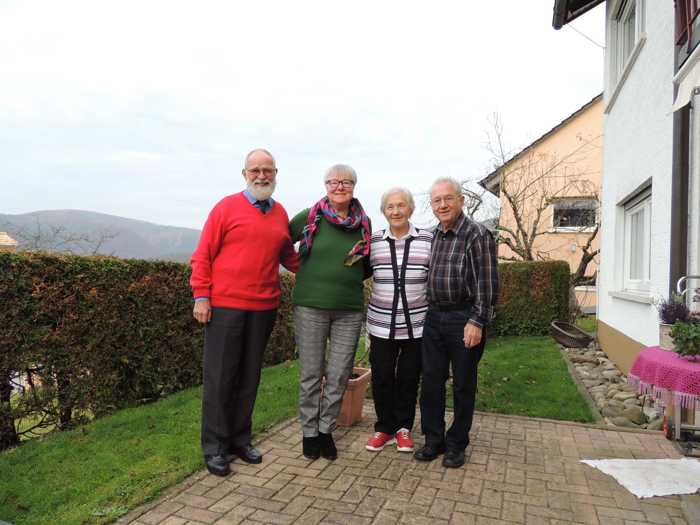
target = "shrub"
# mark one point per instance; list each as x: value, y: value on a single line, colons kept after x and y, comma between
x: 686, y: 337
x: 96, y: 333
x: 532, y: 295
x: 99, y: 333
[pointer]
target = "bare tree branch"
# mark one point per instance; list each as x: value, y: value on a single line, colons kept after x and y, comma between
x: 58, y: 238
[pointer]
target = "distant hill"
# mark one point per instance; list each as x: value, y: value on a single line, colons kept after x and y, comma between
x: 86, y: 232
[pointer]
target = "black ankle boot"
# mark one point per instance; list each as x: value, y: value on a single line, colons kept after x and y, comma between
x: 311, y: 447
x: 328, y: 449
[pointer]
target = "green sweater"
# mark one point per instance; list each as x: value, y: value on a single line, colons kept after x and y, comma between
x: 323, y: 281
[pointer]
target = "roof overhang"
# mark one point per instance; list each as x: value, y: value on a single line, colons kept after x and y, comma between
x: 492, y: 182
x: 567, y: 10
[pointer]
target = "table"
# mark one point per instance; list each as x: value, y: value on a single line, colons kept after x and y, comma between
x: 671, y: 380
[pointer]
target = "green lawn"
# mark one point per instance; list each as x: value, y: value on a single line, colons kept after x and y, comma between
x: 526, y: 376
x: 98, y: 472
x: 587, y: 323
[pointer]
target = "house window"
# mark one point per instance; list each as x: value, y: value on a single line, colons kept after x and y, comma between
x: 637, y: 212
x: 574, y: 214
x: 687, y: 30
x: 627, y: 28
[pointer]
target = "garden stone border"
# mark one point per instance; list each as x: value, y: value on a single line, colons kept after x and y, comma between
x: 611, y: 398
x: 597, y: 416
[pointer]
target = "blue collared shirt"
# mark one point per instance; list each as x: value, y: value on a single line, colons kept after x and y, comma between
x: 263, y: 206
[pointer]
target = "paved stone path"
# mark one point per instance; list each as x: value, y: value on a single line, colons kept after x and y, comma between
x: 519, y: 470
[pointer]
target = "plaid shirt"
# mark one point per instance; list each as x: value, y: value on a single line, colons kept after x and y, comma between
x: 463, y: 269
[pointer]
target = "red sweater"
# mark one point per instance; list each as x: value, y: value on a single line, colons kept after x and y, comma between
x: 236, y: 263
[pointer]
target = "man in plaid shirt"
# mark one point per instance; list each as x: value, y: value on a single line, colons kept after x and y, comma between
x: 462, y: 293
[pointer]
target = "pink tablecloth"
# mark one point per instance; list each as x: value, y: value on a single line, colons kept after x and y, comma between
x: 670, y: 379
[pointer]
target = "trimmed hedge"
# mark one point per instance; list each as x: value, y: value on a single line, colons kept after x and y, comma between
x: 532, y: 295
x: 99, y: 333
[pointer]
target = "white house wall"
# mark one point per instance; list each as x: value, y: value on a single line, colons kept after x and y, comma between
x: 637, y: 147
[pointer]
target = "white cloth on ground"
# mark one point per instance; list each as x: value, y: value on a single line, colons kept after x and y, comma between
x: 646, y: 478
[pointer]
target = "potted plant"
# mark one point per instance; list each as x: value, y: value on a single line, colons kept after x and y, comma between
x: 686, y: 337
x: 671, y: 310
x: 354, y: 396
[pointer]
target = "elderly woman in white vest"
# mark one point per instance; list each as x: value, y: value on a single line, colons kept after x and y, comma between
x: 399, y: 256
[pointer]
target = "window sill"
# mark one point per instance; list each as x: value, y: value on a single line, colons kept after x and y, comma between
x: 687, y: 66
x: 587, y: 229
x: 625, y: 73
x: 635, y: 297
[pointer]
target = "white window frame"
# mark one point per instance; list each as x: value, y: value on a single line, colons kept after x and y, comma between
x: 575, y: 229
x: 641, y: 202
x: 621, y: 59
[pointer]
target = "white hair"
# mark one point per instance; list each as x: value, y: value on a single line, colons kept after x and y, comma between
x: 340, y: 169
x: 261, y: 150
x: 406, y: 194
x: 447, y: 180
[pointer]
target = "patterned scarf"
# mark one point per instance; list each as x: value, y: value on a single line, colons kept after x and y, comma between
x: 357, y: 218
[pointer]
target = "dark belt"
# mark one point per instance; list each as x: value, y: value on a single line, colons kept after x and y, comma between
x: 450, y: 307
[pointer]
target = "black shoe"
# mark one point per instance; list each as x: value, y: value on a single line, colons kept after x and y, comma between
x: 311, y: 447
x: 453, y: 459
x: 327, y: 444
x: 217, y: 465
x: 248, y: 453
x: 429, y: 452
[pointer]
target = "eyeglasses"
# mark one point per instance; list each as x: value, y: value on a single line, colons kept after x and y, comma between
x: 333, y: 183
x: 261, y: 171
x: 449, y: 200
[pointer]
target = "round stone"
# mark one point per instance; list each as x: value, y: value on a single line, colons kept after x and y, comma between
x: 622, y: 396
x: 635, y: 415
x: 611, y: 411
x: 656, y: 424
x: 621, y: 421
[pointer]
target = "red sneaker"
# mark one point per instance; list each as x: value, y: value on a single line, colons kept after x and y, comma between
x: 404, y: 443
x: 379, y: 440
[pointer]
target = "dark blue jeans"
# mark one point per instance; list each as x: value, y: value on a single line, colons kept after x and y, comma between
x: 443, y: 346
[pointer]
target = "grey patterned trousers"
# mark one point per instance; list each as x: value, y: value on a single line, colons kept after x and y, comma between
x: 318, y: 410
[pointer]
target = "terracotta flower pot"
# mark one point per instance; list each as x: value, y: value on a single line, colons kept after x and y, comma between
x: 351, y: 409
x: 665, y: 340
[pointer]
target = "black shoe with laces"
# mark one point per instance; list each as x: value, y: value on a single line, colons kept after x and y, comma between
x: 328, y: 449
x: 453, y: 459
x: 248, y: 453
x: 218, y: 465
x: 429, y: 452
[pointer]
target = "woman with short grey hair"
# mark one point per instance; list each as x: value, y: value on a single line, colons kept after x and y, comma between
x: 399, y: 258
x: 334, y: 246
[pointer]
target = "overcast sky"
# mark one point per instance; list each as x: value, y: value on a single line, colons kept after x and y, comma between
x: 145, y: 109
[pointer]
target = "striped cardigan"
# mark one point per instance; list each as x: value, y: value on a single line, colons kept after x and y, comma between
x: 398, y: 303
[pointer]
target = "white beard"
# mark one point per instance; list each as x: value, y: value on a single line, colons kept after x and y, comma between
x: 262, y: 192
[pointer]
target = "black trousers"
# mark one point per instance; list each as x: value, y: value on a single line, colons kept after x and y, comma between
x: 396, y: 367
x: 234, y: 343
x: 443, y: 346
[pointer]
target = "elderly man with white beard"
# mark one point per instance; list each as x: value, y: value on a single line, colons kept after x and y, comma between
x: 235, y: 283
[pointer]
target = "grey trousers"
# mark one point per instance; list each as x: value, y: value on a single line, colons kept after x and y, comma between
x: 313, y: 327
